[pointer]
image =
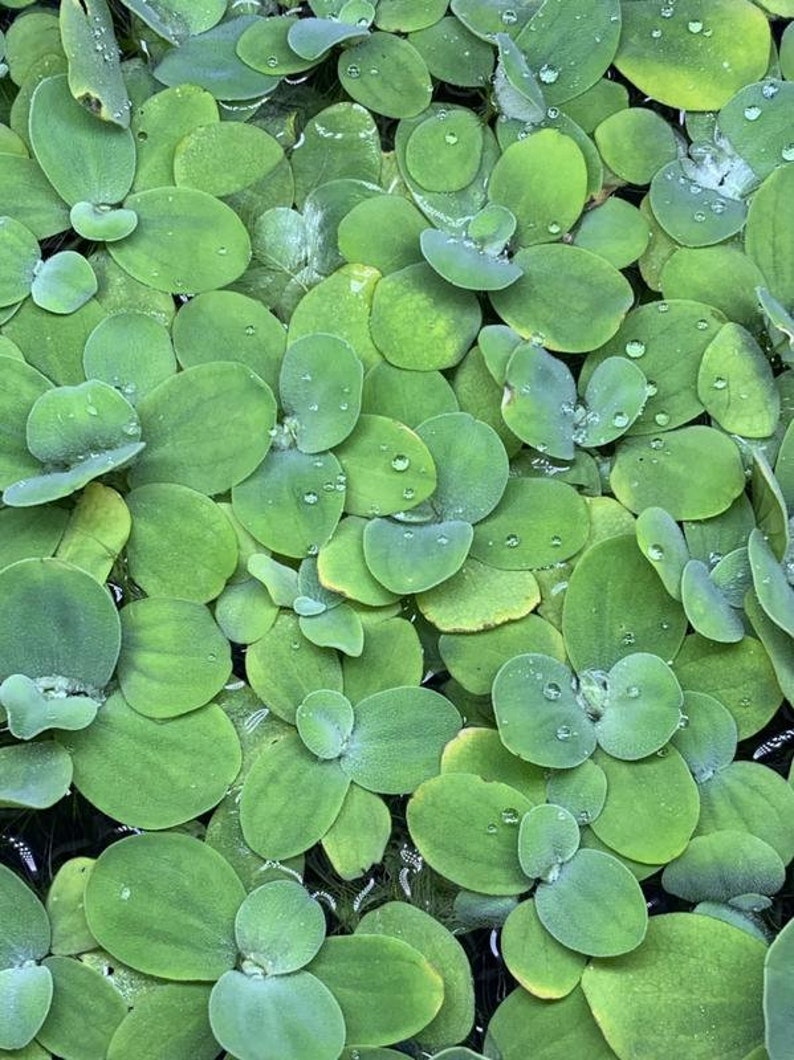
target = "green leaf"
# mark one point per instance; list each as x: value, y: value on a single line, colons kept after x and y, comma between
x: 20, y: 256
x: 189, y: 437
x: 320, y: 387
x: 70, y: 933
x: 465, y: 828
x: 131, y: 351
x: 177, y: 19
x: 95, y: 77
x: 777, y: 995
x: 224, y: 157
x: 446, y: 956
x: 661, y: 55
x: 28, y: 197
x: 260, y: 924
x: 397, y: 739
x: 165, y: 904
x: 383, y: 232
x: 706, y: 1008
x: 416, y: 301
x: 171, y: 1017
x: 465, y: 265
x: 25, y: 936
x: 596, y: 294
x: 548, y: 836
x: 85, y: 1012
x: 264, y: 45
x: 581, y: 790
x: 773, y: 257
x: 635, y: 142
x: 651, y: 808
x: 723, y: 865
x: 285, y: 773
x: 541, y: 965
x: 774, y: 592
x: 154, y: 774
x: 566, y: 1027
x: 478, y: 597
x: 159, y: 636
x: 642, y: 709
x: 443, y: 151
x: 707, y: 741
x: 692, y: 472
x: 706, y: 607
x: 34, y: 775
x: 186, y: 241
x: 387, y: 990
x: 325, y: 721
x: 296, y: 1015
x: 594, y: 906
x: 479, y: 750
x: 538, y: 400
x: 30, y: 711
x: 63, y: 283
x: 27, y: 993
x: 160, y: 123
x: 692, y: 215
x: 751, y: 798
x: 413, y: 557
x: 385, y: 74
x: 357, y: 839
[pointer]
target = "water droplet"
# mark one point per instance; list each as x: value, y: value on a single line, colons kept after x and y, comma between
x: 510, y: 815
x: 310, y: 497
x: 655, y: 552
x: 662, y: 418
x: 450, y: 138
x: 770, y: 90
x: 400, y: 462
x: 563, y: 732
x: 744, y: 701
x: 125, y: 893
x: 312, y: 550
x: 628, y: 638
x: 635, y: 348
x: 699, y: 216
x: 665, y: 625
x: 313, y: 407
x: 353, y: 71
x: 702, y: 325
x: 553, y: 228
x: 662, y: 307
x: 752, y: 113
x: 552, y: 690
x: 408, y: 534
x: 620, y: 419
x: 509, y: 17
x: 695, y: 26
x: 787, y: 153
x: 491, y: 829
x: 442, y: 539
x: 656, y: 33
x: 683, y: 721
x: 656, y: 443
x: 553, y: 113
x: 633, y: 692
x: 409, y: 493
x: 667, y: 11
x: 512, y: 541
x: 271, y: 61
x: 556, y: 541
x: 223, y: 251
x: 662, y: 752
x: 250, y: 329
x: 548, y: 74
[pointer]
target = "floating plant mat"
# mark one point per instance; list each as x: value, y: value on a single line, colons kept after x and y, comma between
x: 396, y: 563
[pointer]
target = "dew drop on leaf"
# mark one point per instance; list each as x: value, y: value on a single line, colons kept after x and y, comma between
x: 512, y: 541
x: 563, y: 732
x: 510, y: 815
x: 310, y: 497
x: 400, y: 462
x: 548, y: 74
x: 655, y: 552
x: 552, y: 690
x: 635, y: 348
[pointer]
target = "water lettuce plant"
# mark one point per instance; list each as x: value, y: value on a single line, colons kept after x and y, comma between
x: 396, y: 551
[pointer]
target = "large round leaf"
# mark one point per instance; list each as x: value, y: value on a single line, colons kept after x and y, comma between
x: 320, y: 387
x: 773, y: 256
x: 397, y: 739
x: 165, y: 905
x: 524, y: 1026
x: 27, y: 995
x: 596, y: 295
x: 749, y: 797
x: 723, y: 865
x: 35, y: 775
x: 386, y: 74
x: 25, y: 935
x: 131, y: 351
x: 471, y: 464
x: 466, y: 829
x: 696, y: 57
x: 778, y: 999
x: 185, y: 241
x: 171, y: 1017
x: 154, y: 774
x: 19, y: 258
x: 276, y: 1017
x: 206, y: 427
x: 541, y: 965
x: 595, y: 906
x: 224, y: 157
x: 57, y: 621
x: 413, y: 557
x: 261, y: 922
x: 173, y: 656
x: 85, y: 1012
x: 701, y: 1009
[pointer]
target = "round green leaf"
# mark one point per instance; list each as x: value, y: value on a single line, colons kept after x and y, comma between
x: 292, y: 502
x: 479, y: 750
x: 185, y: 241
x: 692, y: 472
x: 264, y: 45
x: 701, y: 1008
x: 173, y: 656
x: 642, y: 709
x: 100, y: 223
x: 171, y: 1017
x: 320, y: 387
x: 151, y: 774
x: 651, y: 808
x: 85, y: 1012
x: 471, y: 463
x: 288, y: 1018
x: 339, y: 142
x: 206, y: 427
x: 85, y: 160
x: 523, y: 1021
x: 773, y: 257
x: 465, y: 828
x: 706, y: 607
x: 777, y: 996
x: 227, y: 325
x: 466, y: 265
x: 581, y: 790
x: 382, y: 231
x: 131, y: 351
x: 21, y: 387
x: 615, y: 605
x: 397, y: 739
x: 453, y: 54
x: 724, y: 276
x: 386, y: 74
x: 379, y: 1009
x: 478, y: 597
x: 751, y: 798
x: 539, y: 715
x: 357, y: 839
x: 443, y: 152
x: 27, y: 994
x: 286, y: 774
x: 57, y: 623
x: 225, y: 157
x: 34, y: 775
x: 25, y: 935
x: 159, y: 123
x: 772, y: 587
x: 662, y: 542
x: 181, y: 544
x: 413, y: 557
x: 19, y: 258
x: 635, y: 143
x: 692, y: 215
x: 594, y: 906
x: 543, y: 181
x: 534, y: 957
x: 280, y: 927
x: 547, y: 837
x: 596, y: 294
x: 325, y: 721
x: 31, y: 199
x: 696, y: 58
x: 707, y: 741
x: 416, y: 301
x: 539, y: 400
x: 722, y: 865
x: 165, y: 905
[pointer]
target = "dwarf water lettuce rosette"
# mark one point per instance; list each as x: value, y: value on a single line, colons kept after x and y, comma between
x: 397, y: 483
